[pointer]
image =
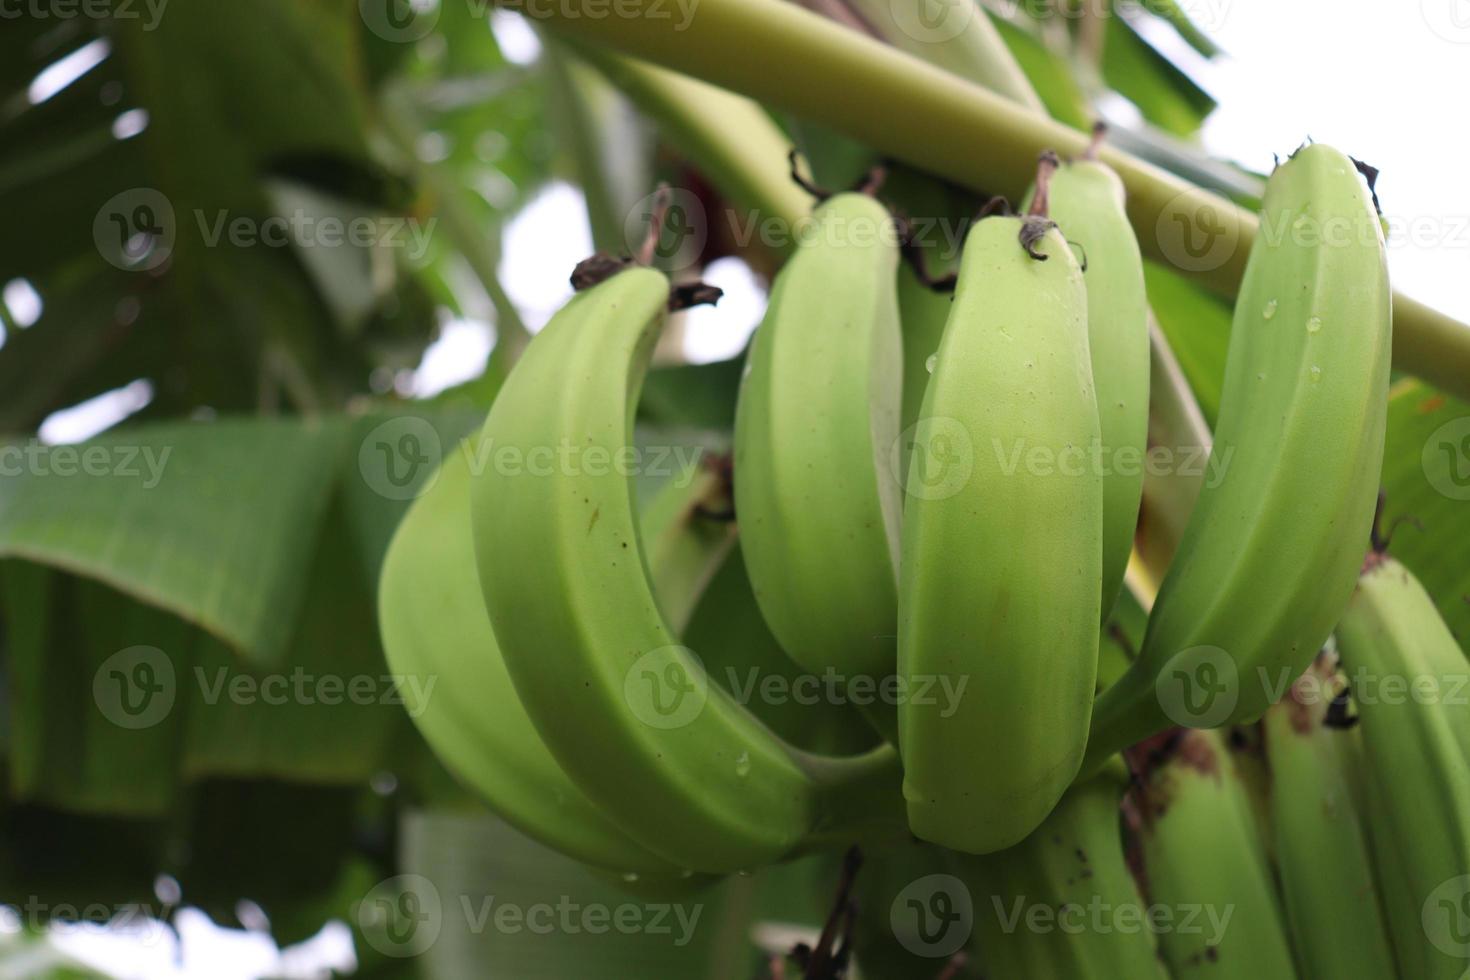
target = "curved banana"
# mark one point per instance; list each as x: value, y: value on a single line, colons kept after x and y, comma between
x: 814, y: 427
x: 434, y: 629
x: 1073, y: 866
x: 1002, y: 548
x: 1409, y: 680
x: 1322, y: 853
x: 1204, y: 863
x: 1272, y: 548
x: 1087, y: 203
x: 628, y: 713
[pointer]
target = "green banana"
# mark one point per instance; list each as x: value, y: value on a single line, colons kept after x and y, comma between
x: 627, y: 712
x: 1074, y: 870
x: 1203, y: 863
x: 434, y: 627
x: 816, y: 421
x: 1002, y: 547
x: 1409, y: 681
x: 1322, y: 852
x: 1087, y: 203
x: 1272, y: 547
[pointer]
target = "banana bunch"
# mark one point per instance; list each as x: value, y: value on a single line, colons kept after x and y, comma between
x: 630, y: 715
x: 1409, y: 680
x: 1271, y: 550
x: 929, y: 497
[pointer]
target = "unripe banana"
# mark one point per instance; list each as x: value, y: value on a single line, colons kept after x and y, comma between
x: 1087, y: 203
x: 1002, y: 553
x: 627, y: 712
x: 1270, y: 553
x: 1322, y: 853
x: 816, y: 421
x: 1204, y: 865
x: 1409, y: 679
x: 435, y: 629
x: 1072, y: 866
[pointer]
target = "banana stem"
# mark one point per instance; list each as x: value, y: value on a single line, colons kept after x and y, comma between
x: 785, y: 56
